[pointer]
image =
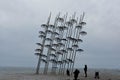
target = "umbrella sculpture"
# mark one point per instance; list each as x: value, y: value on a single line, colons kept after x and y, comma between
x: 60, y: 43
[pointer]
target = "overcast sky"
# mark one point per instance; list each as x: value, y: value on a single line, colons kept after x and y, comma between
x: 20, y: 22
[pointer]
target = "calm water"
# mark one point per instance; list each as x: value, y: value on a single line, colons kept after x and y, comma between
x: 16, y: 70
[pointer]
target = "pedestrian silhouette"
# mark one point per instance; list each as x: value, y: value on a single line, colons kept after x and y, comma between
x: 68, y: 72
x: 85, y: 70
x: 97, y: 75
x: 76, y: 73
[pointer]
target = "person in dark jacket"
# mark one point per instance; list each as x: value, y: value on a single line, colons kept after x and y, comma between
x: 85, y: 70
x: 76, y: 73
x: 68, y: 72
x: 97, y: 75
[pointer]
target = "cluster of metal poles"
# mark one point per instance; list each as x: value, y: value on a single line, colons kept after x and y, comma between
x: 60, y: 43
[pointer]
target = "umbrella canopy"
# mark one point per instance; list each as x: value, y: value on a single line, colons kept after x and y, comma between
x: 74, y: 39
x: 52, y: 55
x: 70, y: 38
x: 58, y: 52
x: 79, y: 40
x: 83, y: 33
x: 69, y: 23
x: 75, y: 46
x: 38, y: 50
x: 64, y: 39
x: 55, y: 45
x: 82, y: 23
x: 73, y: 21
x: 80, y: 50
x: 44, y: 25
x: 65, y: 61
x: 61, y: 28
x: 57, y: 39
x: 44, y: 60
x: 55, y: 33
x: 48, y: 39
x: 49, y: 31
x: 61, y: 44
x: 59, y: 62
x: 52, y: 49
x: 51, y: 26
x: 42, y: 32
x: 70, y: 60
x: 48, y: 45
x: 42, y: 36
x: 65, y: 27
x: 70, y: 49
x: 39, y: 44
x: 43, y: 55
x: 53, y: 60
x: 60, y: 19
x: 78, y: 26
x: 63, y: 51
x: 38, y: 54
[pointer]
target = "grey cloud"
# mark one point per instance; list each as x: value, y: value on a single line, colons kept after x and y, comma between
x: 20, y: 22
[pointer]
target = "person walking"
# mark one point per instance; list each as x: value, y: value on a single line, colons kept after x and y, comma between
x: 97, y: 75
x: 76, y: 73
x: 68, y: 72
x: 85, y: 70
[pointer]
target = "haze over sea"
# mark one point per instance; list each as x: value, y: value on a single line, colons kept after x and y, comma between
x: 21, y: 73
x: 10, y: 70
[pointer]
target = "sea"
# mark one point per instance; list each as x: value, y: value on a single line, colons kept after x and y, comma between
x: 15, y: 70
x: 10, y: 70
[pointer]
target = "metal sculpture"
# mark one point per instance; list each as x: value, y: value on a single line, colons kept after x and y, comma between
x: 60, y: 43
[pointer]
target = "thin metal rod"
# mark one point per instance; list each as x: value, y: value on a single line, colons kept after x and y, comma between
x: 49, y: 50
x: 81, y: 19
x: 43, y: 42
